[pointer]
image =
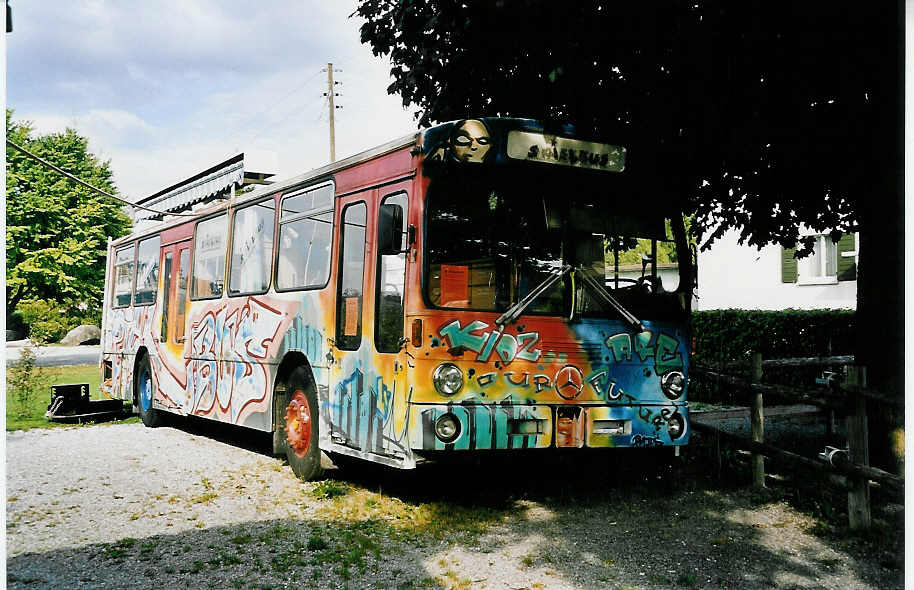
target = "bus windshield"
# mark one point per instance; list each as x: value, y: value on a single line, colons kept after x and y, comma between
x: 493, y: 238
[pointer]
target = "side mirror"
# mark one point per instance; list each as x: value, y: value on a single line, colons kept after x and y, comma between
x: 390, y: 229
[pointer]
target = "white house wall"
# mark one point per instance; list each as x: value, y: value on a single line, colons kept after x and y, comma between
x: 734, y: 276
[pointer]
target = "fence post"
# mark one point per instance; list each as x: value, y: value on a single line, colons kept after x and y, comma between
x: 757, y: 420
x: 858, y: 496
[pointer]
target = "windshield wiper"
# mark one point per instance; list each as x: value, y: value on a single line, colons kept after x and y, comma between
x: 518, y: 308
x: 601, y: 291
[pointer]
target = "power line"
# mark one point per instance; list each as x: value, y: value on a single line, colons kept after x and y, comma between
x: 238, y: 128
x: 44, y: 162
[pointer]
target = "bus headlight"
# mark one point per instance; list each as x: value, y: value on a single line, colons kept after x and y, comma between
x: 675, y: 426
x: 672, y: 384
x: 448, y: 379
x: 447, y: 428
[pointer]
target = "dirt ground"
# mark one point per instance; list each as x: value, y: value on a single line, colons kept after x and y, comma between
x: 200, y: 506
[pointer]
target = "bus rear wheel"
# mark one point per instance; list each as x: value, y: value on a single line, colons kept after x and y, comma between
x: 301, y: 428
x: 143, y: 390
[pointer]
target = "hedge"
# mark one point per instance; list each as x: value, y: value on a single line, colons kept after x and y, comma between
x: 720, y: 336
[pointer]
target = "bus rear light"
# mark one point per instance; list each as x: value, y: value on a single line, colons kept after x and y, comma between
x: 417, y: 333
x: 447, y: 428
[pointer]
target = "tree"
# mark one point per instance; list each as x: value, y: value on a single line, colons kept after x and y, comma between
x: 56, y: 230
x: 761, y: 117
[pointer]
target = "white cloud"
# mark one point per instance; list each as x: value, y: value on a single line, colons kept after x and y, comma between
x: 167, y: 89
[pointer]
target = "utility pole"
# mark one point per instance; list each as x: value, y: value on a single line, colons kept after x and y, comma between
x: 330, y: 94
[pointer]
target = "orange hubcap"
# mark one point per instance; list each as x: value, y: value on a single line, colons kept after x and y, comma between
x: 298, y: 424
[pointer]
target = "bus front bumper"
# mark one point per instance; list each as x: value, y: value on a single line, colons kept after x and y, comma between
x: 471, y: 427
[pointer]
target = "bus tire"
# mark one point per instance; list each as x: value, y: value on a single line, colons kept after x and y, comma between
x: 144, y: 390
x: 300, y: 425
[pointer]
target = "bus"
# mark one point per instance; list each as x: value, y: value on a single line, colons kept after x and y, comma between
x: 484, y: 284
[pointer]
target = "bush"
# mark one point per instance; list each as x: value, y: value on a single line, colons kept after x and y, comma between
x: 723, y: 336
x: 48, y: 322
x: 26, y: 381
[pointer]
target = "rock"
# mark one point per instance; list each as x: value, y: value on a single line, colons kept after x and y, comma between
x: 84, y: 334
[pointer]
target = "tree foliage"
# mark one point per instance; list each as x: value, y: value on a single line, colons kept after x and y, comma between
x: 762, y: 116
x: 56, y: 230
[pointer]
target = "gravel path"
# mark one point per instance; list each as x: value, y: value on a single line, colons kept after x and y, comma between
x: 121, y: 506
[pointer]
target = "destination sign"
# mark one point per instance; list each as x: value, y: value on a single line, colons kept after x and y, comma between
x: 552, y: 149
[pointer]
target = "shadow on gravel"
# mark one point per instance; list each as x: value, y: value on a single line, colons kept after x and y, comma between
x: 236, y: 436
x: 618, y: 519
x: 589, y: 520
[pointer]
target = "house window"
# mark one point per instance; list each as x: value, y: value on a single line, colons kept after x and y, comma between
x: 822, y: 265
x: 829, y: 262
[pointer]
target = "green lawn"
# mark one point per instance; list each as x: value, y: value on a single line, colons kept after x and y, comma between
x: 31, y: 414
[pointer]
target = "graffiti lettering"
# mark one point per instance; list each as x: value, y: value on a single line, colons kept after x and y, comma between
x: 659, y: 419
x: 621, y: 347
x: 524, y: 382
x: 646, y: 441
x: 246, y: 333
x: 506, y: 346
x: 486, y: 379
x: 541, y: 382
x: 605, y: 387
x: 665, y: 350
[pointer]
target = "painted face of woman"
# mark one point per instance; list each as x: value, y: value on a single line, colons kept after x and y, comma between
x: 471, y: 142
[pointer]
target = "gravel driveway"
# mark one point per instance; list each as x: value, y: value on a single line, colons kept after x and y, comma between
x: 123, y: 506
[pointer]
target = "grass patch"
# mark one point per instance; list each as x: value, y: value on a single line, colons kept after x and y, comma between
x: 688, y: 579
x: 329, y: 489
x: 204, y: 498
x: 411, y: 522
x: 120, y: 549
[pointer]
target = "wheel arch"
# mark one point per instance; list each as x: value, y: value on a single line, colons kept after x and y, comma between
x: 141, y: 353
x: 281, y: 396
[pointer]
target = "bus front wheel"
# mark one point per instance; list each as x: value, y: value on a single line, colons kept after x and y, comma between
x: 144, y: 389
x: 301, y: 428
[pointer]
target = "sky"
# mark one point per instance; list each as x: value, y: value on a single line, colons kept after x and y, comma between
x: 169, y: 88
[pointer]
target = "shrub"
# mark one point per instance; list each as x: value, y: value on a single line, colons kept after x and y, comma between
x: 26, y: 381
x: 722, y: 336
x: 49, y: 322
x: 46, y: 323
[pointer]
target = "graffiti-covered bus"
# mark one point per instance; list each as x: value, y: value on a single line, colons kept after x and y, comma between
x: 480, y: 285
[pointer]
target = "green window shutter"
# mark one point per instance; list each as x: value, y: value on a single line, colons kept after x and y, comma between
x: 788, y: 265
x: 847, y: 267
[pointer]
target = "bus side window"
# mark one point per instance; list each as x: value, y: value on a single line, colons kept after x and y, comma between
x: 305, y: 238
x: 390, y: 283
x: 181, y: 293
x: 352, y: 267
x: 252, y: 249
x: 166, y: 292
x: 147, y: 272
x: 123, y: 276
x: 209, y: 258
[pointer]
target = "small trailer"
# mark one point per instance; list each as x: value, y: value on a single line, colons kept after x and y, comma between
x: 71, y: 403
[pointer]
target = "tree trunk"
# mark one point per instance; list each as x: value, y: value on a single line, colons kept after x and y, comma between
x: 880, y: 280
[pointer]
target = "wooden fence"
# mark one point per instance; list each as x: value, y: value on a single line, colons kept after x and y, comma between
x: 850, y: 397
